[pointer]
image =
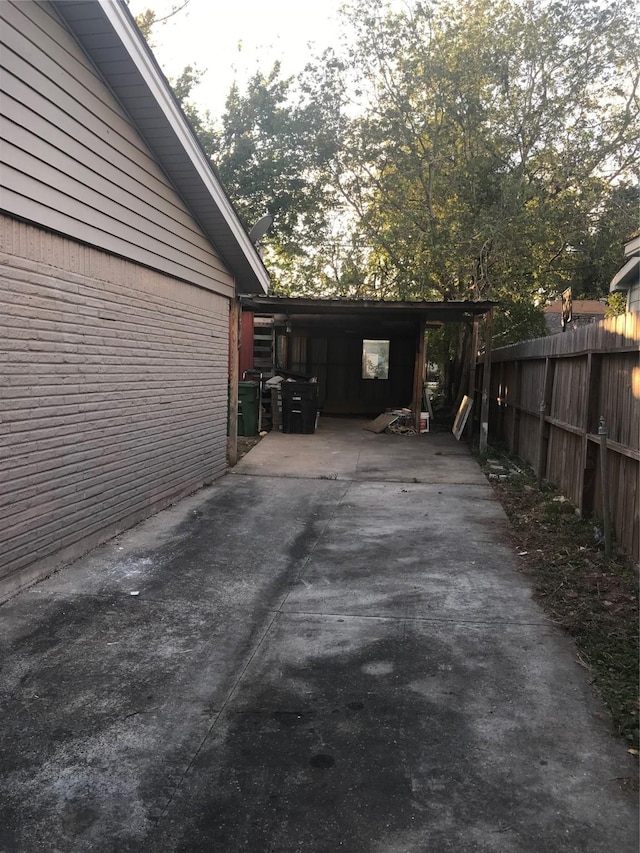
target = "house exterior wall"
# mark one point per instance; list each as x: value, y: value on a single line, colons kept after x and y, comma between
x: 114, y: 311
x: 73, y: 162
x: 114, y: 396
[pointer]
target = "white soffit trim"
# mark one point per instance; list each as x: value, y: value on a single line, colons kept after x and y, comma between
x: 628, y: 275
x: 632, y: 247
x: 118, y: 18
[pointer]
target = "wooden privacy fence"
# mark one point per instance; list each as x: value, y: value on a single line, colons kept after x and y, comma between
x: 551, y: 397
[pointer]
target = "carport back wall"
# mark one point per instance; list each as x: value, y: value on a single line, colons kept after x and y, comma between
x: 336, y: 360
x: 114, y: 396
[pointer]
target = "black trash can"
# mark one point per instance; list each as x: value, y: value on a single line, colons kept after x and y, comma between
x: 299, y: 407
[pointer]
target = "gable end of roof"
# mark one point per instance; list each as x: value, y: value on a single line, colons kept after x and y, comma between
x: 109, y: 36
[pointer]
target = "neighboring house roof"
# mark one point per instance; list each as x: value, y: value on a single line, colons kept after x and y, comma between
x: 581, y: 307
x: 109, y: 36
x: 583, y: 311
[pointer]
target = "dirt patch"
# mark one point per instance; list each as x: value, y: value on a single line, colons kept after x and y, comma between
x: 594, y: 598
x: 245, y: 443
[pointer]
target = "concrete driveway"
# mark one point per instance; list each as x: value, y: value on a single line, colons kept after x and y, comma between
x: 330, y: 649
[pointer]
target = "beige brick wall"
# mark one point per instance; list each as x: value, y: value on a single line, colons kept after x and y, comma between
x: 113, y: 396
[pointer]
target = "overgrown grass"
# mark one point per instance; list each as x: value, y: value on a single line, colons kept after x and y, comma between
x: 594, y: 598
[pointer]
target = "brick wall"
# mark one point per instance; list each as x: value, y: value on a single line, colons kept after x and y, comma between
x: 113, y: 397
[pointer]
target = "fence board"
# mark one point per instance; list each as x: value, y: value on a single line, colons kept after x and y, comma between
x: 593, y: 372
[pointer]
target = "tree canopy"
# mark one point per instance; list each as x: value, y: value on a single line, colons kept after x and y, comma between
x: 445, y: 150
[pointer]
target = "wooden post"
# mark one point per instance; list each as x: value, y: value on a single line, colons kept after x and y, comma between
x: 234, y: 376
x: 473, y: 360
x: 418, y: 374
x: 515, y: 400
x: 540, y: 464
x: 502, y: 407
x: 543, y: 428
x: 486, y: 385
x: 589, y: 423
x: 604, y: 488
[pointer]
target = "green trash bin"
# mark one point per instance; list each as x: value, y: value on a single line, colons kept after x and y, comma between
x: 248, y: 407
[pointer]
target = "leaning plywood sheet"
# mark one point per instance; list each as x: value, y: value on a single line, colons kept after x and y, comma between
x: 461, y: 417
x: 381, y: 423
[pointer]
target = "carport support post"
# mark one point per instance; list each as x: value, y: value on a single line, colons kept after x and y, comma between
x: 234, y: 376
x: 418, y: 375
x: 473, y: 359
x: 486, y: 385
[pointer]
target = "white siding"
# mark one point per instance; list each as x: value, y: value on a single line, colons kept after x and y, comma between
x: 73, y: 162
x: 113, y: 396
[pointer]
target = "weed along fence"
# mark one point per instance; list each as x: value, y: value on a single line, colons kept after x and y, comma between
x: 569, y: 404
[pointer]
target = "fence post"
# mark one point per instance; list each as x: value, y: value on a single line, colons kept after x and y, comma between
x: 486, y: 385
x: 540, y: 465
x: 515, y: 394
x: 604, y: 486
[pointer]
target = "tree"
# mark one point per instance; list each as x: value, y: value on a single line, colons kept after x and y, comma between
x: 268, y: 149
x: 270, y: 154
x: 148, y: 18
x: 481, y: 150
x: 599, y: 252
x: 486, y: 136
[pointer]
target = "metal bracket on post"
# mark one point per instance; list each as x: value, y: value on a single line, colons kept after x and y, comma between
x: 604, y: 487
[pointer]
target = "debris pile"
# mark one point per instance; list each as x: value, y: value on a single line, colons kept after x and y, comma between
x: 402, y: 422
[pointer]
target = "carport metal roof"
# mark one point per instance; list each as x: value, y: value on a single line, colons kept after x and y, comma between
x: 320, y: 310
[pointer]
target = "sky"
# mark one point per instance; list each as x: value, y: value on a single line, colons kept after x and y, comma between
x: 232, y: 39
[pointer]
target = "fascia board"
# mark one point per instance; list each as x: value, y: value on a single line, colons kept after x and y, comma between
x: 627, y: 276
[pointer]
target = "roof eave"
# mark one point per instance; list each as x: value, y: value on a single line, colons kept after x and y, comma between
x: 626, y: 277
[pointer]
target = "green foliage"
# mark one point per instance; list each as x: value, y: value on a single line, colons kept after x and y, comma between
x: 145, y: 21
x: 486, y: 150
x: 616, y: 304
x: 270, y: 155
x: 201, y: 122
x: 481, y: 158
x: 599, y: 253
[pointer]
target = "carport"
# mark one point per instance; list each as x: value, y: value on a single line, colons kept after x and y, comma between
x: 328, y: 337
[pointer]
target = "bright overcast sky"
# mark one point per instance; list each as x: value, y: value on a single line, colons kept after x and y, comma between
x: 233, y: 39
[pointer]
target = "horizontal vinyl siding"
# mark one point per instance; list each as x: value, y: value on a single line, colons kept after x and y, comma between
x: 113, y: 396
x: 72, y: 161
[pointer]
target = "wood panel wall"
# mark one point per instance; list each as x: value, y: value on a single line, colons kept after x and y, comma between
x: 580, y: 376
x: 336, y: 361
